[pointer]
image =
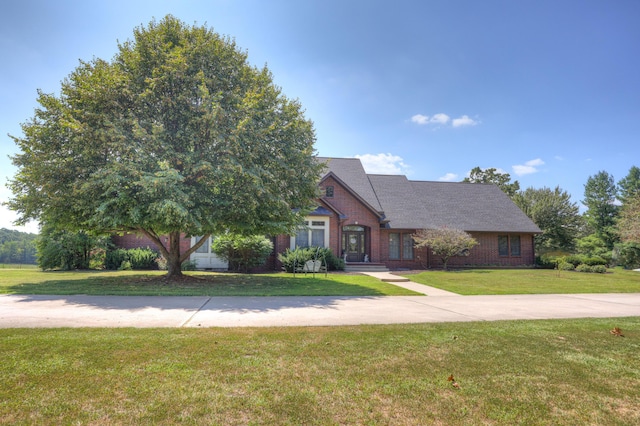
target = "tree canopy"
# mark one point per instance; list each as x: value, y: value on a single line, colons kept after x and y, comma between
x: 629, y: 220
x: 178, y: 133
x: 599, y: 197
x: 555, y: 214
x: 629, y: 186
x: 492, y: 175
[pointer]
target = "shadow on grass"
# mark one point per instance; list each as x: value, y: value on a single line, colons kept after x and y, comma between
x: 199, y: 285
x: 48, y: 305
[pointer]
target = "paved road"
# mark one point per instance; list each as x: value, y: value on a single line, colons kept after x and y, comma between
x: 157, y: 311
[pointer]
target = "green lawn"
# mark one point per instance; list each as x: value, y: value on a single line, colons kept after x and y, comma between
x: 205, y: 283
x: 529, y: 281
x: 512, y: 372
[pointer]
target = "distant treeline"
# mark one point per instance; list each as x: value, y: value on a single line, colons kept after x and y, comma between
x: 17, y: 247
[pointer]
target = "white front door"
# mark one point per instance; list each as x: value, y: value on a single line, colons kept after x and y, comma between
x: 204, y: 258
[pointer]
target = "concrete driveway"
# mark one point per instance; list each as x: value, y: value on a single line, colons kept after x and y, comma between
x: 159, y: 311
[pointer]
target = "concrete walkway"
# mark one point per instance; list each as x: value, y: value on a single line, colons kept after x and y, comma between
x: 158, y: 311
x: 410, y: 285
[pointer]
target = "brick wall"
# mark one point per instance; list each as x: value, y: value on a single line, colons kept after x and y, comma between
x: 129, y: 241
x: 356, y: 214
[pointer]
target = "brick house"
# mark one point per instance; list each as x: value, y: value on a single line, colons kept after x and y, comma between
x: 369, y: 219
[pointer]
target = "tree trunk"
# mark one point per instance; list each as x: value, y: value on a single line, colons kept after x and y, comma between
x: 174, y: 264
x: 172, y: 253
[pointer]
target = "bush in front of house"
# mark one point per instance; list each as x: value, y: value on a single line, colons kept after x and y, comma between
x: 547, y: 261
x: 136, y: 258
x: 301, y: 255
x: 583, y: 268
x: 581, y: 259
x: 242, y: 252
x: 566, y: 266
x: 599, y: 269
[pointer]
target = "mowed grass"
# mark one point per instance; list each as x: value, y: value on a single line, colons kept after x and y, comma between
x: 151, y: 283
x: 512, y: 372
x: 529, y: 281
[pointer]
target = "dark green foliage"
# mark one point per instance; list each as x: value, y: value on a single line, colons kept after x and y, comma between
x: 17, y: 247
x: 555, y: 214
x: 629, y: 186
x: 61, y: 249
x: 578, y: 259
x: 547, y: 262
x: 628, y: 255
x: 600, y: 194
x: 493, y: 176
x: 300, y: 255
x: 136, y: 258
x: 242, y: 252
x: 178, y: 133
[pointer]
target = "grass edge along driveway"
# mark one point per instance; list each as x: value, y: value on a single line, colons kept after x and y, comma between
x: 528, y: 281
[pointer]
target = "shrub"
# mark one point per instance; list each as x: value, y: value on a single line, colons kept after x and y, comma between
x: 583, y: 268
x: 595, y: 260
x: 242, y: 252
x: 188, y: 265
x: 138, y: 258
x: 575, y: 259
x: 628, y: 255
x: 599, y: 269
x: 125, y: 266
x: 546, y: 261
x: 59, y: 249
x: 566, y: 266
x: 300, y: 255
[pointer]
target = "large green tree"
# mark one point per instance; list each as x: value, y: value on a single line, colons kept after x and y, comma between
x: 600, y: 194
x: 178, y: 133
x: 629, y: 186
x: 555, y: 214
x: 629, y: 220
x: 492, y: 175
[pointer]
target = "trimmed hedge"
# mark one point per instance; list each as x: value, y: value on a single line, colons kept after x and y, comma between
x: 137, y: 258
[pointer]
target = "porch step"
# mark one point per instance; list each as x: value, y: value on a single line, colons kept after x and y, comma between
x: 365, y: 267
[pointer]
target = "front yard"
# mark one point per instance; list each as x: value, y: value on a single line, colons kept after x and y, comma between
x: 529, y: 281
x: 550, y: 372
x: 151, y: 283
x: 465, y: 282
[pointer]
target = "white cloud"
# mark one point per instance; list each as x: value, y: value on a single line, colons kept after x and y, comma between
x: 422, y: 120
x: 528, y: 168
x: 442, y: 119
x: 383, y: 164
x: 464, y: 121
x: 449, y: 177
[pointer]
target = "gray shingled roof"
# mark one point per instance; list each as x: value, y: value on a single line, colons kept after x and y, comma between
x: 351, y: 172
x: 421, y: 204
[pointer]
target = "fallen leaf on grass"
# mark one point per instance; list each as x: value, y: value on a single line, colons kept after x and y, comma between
x: 453, y: 382
x: 617, y: 332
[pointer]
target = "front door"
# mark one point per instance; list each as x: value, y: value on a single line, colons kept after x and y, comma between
x: 353, y: 243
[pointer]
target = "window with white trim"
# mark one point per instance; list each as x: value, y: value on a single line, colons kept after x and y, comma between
x: 313, y: 233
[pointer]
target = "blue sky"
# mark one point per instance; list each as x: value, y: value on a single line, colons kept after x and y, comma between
x: 548, y: 91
